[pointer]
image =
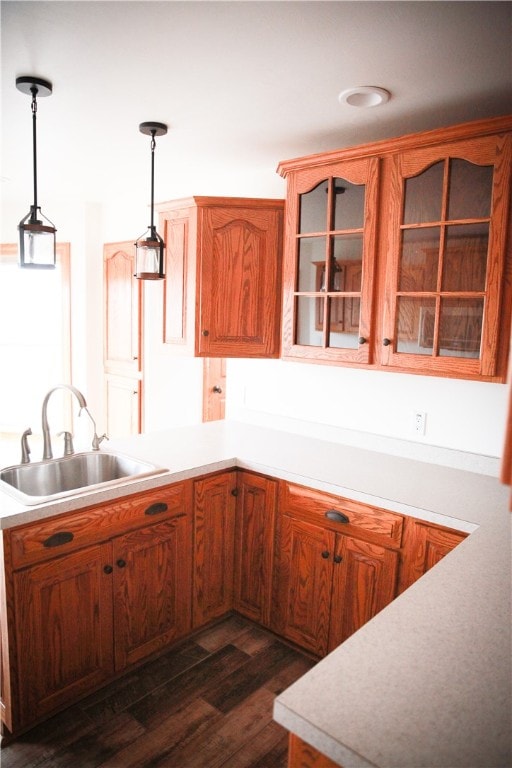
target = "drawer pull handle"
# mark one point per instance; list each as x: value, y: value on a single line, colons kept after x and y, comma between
x: 58, y: 539
x: 157, y: 508
x: 325, y: 555
x: 337, y: 517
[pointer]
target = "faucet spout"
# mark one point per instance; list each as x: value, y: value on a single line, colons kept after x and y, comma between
x: 47, y: 444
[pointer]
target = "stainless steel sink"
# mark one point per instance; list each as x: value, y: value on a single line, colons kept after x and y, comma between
x: 49, y: 480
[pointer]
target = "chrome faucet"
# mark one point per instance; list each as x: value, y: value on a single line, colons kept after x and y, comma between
x: 47, y: 445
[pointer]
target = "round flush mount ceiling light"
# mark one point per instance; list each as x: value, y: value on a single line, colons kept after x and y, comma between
x: 364, y: 96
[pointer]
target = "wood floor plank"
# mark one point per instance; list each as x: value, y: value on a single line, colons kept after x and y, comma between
x: 176, y: 732
x: 165, y: 699
x: 248, y: 677
x: 205, y: 704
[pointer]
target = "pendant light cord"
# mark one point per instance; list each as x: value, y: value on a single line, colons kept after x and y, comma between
x: 34, y: 146
x: 153, y: 144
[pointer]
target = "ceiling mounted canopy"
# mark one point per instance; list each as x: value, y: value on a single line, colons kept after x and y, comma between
x: 149, y: 248
x: 37, y: 234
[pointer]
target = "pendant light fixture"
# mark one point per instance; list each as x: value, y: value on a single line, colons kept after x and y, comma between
x: 37, y: 233
x: 149, y: 248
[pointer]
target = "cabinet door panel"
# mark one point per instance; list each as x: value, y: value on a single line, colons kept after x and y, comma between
x: 303, y: 583
x: 364, y: 583
x: 239, y: 253
x: 122, y: 309
x: 256, y: 503
x: 152, y: 588
x: 214, y: 534
x: 63, y: 629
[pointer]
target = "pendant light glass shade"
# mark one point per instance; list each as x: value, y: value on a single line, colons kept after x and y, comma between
x: 149, y: 248
x: 37, y: 247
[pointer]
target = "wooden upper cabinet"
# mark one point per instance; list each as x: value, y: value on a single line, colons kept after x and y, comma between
x: 329, y: 261
x: 122, y: 310
x: 445, y: 278
x: 222, y: 294
x: 396, y: 256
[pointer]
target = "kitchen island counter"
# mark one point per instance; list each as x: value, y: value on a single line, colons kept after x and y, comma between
x: 427, y: 682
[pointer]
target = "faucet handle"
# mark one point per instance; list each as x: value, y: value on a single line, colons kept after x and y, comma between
x: 68, y: 443
x: 25, y: 448
x: 97, y: 440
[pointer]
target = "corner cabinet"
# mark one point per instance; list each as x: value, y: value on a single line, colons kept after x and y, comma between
x: 222, y: 295
x: 396, y: 254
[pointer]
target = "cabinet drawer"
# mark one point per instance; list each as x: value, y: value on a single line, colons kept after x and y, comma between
x: 58, y: 535
x: 342, y: 515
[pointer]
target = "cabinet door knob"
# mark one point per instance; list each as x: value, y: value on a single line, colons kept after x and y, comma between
x: 386, y: 342
x: 206, y: 333
x: 217, y: 389
x: 121, y: 563
x: 107, y: 569
x: 338, y: 558
x: 325, y: 555
x: 362, y: 340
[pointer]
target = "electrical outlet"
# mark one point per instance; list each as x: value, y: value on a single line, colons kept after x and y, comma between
x: 420, y: 420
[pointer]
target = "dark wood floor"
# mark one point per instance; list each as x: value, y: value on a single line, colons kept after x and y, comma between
x: 206, y: 704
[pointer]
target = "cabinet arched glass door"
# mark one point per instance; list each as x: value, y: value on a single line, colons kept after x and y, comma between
x: 332, y: 255
x: 444, y: 289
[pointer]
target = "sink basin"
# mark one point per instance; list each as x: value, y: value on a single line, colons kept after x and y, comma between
x: 49, y: 480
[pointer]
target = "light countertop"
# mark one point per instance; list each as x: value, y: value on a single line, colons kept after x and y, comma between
x: 427, y: 682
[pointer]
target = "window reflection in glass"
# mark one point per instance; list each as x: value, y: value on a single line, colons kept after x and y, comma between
x: 311, y: 252
x: 419, y: 259
x: 465, y: 257
x: 470, y: 190
x: 416, y: 320
x: 423, y: 196
x: 460, y: 327
x: 313, y: 210
x: 348, y: 204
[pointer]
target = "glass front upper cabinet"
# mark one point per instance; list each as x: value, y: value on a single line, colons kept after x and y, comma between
x: 447, y: 250
x: 328, y: 299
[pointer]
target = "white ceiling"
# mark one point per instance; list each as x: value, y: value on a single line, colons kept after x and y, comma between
x: 242, y: 85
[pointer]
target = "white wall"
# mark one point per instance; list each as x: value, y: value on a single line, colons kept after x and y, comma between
x: 374, y: 409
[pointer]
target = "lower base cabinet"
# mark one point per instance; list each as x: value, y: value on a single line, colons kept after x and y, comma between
x: 91, y: 593
x: 303, y: 755
x: 214, y: 541
x: 327, y: 584
x: 107, y: 602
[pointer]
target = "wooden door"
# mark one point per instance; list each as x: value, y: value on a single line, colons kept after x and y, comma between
x: 240, y: 258
x: 424, y: 546
x: 63, y: 629
x: 122, y: 347
x: 123, y: 406
x: 254, y: 548
x: 214, y: 388
x: 365, y: 581
x: 152, y: 588
x: 303, y: 583
x: 214, y: 534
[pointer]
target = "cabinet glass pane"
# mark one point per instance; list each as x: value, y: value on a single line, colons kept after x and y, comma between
x: 348, y: 205
x: 348, y: 249
x: 311, y: 252
x: 415, y: 331
x: 344, y: 323
x: 423, y: 196
x: 470, y: 190
x: 465, y: 258
x: 313, y: 210
x: 309, y: 321
x: 419, y: 259
x: 460, y: 327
